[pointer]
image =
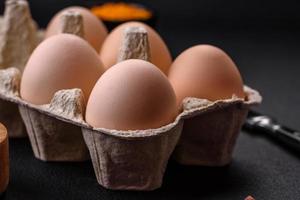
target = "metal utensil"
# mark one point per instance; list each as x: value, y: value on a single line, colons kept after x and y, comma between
x: 265, y: 124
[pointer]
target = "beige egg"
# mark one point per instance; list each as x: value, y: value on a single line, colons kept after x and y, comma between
x: 160, y: 55
x: 94, y: 30
x: 205, y: 72
x: 132, y: 95
x: 64, y: 61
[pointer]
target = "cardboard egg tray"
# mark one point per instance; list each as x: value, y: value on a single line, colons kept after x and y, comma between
x: 19, y: 35
x: 203, y: 134
x: 131, y: 160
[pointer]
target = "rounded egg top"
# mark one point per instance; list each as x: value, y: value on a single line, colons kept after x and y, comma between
x: 63, y: 61
x: 132, y: 95
x: 206, y: 72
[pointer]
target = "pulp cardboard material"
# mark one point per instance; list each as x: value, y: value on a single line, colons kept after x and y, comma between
x: 211, y: 128
x: 18, y: 37
x: 205, y: 134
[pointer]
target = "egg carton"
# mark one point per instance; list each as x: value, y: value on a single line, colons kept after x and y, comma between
x: 204, y: 133
x: 134, y: 160
x: 19, y: 35
x: 57, y: 131
x: 131, y: 160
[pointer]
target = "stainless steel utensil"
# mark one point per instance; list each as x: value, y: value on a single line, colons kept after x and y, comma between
x: 270, y: 126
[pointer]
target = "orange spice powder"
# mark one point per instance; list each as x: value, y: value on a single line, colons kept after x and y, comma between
x: 121, y: 12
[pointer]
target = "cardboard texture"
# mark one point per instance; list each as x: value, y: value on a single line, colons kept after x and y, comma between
x: 11, y: 118
x: 210, y: 131
x: 18, y: 34
x: 132, y: 162
x: 135, y: 44
x: 124, y: 160
x: 18, y: 37
x: 9, y: 112
x: 52, y: 139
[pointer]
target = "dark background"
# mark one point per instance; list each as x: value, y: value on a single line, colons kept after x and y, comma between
x: 263, y: 38
x: 195, y: 12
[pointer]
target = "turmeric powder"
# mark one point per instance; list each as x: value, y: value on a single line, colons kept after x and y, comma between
x: 121, y: 12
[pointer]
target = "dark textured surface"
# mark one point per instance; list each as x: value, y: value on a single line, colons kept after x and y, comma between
x: 264, y: 41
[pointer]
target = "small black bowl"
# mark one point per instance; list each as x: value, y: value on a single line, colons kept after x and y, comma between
x: 112, y: 24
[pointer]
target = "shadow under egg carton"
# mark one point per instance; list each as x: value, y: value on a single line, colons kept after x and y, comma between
x: 205, y: 134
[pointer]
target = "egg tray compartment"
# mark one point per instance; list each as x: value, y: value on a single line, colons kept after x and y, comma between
x: 131, y: 160
x: 19, y: 35
x: 211, y: 129
x: 128, y: 160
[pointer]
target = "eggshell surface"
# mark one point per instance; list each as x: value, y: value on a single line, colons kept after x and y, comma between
x: 206, y: 72
x: 132, y: 95
x: 63, y: 61
x: 160, y: 55
x: 94, y: 30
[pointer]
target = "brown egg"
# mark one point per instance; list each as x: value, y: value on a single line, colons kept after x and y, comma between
x: 63, y: 61
x: 94, y: 30
x: 205, y: 72
x: 132, y: 95
x: 160, y: 55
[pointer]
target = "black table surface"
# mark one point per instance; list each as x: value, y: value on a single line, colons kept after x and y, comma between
x: 268, y: 57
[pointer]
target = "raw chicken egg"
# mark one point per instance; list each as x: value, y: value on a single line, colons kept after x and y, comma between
x: 160, y: 55
x: 205, y: 72
x: 94, y: 30
x: 64, y: 61
x: 132, y: 95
